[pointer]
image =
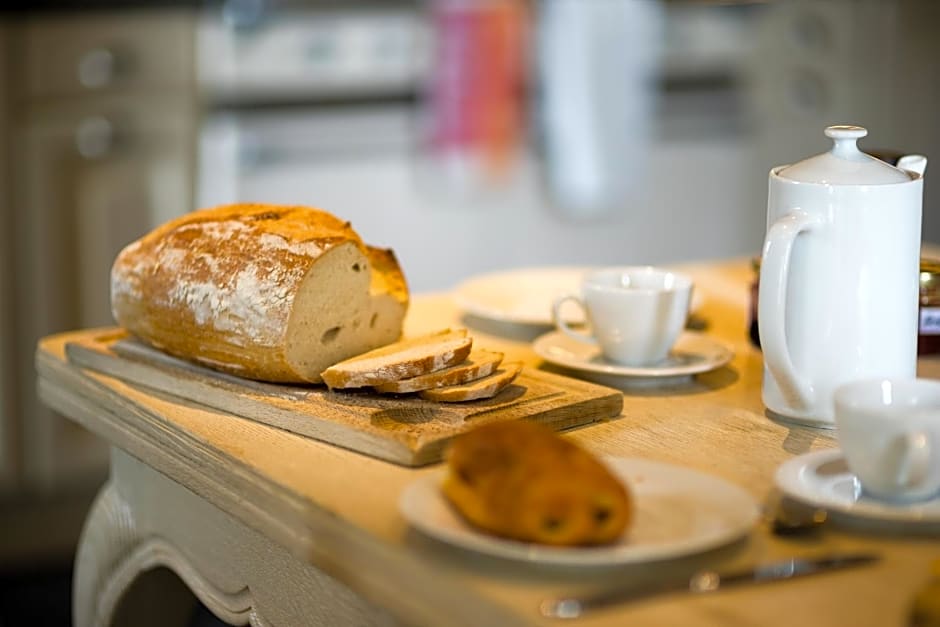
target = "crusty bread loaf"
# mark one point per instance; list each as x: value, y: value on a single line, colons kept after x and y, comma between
x: 486, y: 387
x: 480, y: 363
x: 401, y: 360
x: 261, y: 291
x: 523, y: 481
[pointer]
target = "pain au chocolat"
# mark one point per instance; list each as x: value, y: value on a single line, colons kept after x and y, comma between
x: 521, y: 480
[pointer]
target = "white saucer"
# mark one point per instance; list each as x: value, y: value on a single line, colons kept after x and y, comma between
x: 679, y: 511
x: 822, y: 478
x: 525, y: 295
x: 693, y: 353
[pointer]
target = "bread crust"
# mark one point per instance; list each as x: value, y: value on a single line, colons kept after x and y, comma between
x: 403, y: 360
x: 479, y: 363
x: 484, y: 387
x: 218, y: 286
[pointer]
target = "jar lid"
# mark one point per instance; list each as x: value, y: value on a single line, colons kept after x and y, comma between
x: 929, y: 274
x: 844, y: 164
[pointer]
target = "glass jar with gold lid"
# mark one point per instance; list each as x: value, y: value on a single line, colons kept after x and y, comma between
x: 928, y: 339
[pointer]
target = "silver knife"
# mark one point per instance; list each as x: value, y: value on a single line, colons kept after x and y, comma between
x: 707, y: 581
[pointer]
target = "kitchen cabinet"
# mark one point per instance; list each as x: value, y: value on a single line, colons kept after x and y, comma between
x: 102, y: 124
x: 8, y: 433
x: 869, y: 63
x: 86, y: 201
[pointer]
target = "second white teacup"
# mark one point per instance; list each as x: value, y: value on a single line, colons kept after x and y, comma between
x: 635, y: 313
x: 889, y: 433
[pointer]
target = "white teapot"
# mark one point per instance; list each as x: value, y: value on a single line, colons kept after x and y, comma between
x: 839, y: 287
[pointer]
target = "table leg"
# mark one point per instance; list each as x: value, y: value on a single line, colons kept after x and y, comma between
x: 150, y: 548
x: 114, y: 582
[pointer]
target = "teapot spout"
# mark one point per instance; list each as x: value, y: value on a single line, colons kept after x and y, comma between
x: 913, y: 163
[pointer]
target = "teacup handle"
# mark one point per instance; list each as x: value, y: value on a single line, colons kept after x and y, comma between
x: 772, y: 304
x: 562, y: 326
x: 914, y: 468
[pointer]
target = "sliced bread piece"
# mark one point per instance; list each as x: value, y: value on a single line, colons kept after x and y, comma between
x: 487, y: 387
x: 479, y: 364
x: 401, y: 360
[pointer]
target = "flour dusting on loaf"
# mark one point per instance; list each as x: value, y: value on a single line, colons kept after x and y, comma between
x: 270, y: 292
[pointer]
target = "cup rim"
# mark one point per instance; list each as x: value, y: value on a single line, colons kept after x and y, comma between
x: 683, y: 281
x: 846, y: 394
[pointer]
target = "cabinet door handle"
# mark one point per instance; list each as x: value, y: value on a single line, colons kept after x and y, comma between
x: 95, y: 137
x: 244, y: 14
x: 97, y: 68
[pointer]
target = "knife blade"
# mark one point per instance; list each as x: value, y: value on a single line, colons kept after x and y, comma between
x: 707, y: 581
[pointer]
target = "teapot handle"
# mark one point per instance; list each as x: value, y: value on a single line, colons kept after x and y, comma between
x: 772, y: 305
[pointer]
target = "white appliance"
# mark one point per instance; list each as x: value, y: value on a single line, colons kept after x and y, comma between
x: 300, y: 134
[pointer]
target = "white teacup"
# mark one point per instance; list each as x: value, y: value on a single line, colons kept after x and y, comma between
x: 635, y: 314
x: 889, y: 432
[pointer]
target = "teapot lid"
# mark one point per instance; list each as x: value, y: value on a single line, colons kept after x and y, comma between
x: 844, y: 164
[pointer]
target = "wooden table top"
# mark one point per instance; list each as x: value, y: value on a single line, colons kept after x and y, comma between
x: 338, y: 509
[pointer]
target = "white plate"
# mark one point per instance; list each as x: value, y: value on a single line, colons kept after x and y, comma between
x: 525, y: 296
x: 822, y: 478
x: 693, y: 353
x: 678, y: 512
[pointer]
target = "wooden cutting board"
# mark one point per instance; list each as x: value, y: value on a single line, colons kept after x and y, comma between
x: 401, y: 429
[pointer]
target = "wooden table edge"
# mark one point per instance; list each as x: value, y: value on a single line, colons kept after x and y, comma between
x: 299, y: 528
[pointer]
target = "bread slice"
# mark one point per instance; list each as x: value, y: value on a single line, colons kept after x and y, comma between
x: 401, y: 360
x: 487, y: 387
x: 269, y: 292
x: 479, y: 364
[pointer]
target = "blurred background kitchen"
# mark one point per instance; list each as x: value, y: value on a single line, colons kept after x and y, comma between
x: 469, y: 136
